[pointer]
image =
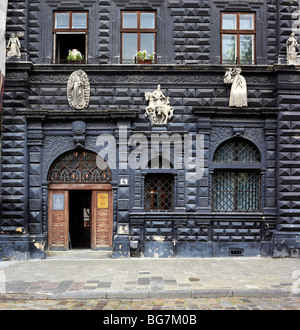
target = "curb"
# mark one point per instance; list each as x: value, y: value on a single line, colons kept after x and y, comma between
x: 193, y: 294
x: 144, y: 294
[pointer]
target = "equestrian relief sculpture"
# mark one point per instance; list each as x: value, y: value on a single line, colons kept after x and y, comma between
x: 159, y: 111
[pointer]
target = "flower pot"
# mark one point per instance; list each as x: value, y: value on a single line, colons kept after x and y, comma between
x: 76, y: 62
x: 144, y: 61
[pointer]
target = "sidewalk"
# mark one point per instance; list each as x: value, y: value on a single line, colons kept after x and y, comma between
x: 56, y: 278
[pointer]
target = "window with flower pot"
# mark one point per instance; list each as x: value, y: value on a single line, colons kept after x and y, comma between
x: 70, y: 37
x: 238, y: 38
x: 138, y: 37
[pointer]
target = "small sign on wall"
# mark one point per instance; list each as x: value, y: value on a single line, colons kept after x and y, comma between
x: 123, y: 181
x: 58, y: 202
x: 102, y: 200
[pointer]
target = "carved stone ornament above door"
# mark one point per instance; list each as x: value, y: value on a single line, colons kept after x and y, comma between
x: 78, y: 90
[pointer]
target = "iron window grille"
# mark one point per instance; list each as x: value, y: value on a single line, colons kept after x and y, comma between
x: 79, y: 167
x: 159, y: 193
x: 237, y: 151
x: 234, y: 189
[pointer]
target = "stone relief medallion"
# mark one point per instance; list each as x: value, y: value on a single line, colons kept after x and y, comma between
x: 159, y: 111
x: 78, y: 90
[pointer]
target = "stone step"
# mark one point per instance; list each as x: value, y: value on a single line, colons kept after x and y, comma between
x: 79, y: 254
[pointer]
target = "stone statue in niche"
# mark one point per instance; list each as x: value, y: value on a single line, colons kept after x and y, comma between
x: 78, y: 90
x: 292, y: 50
x: 13, y: 47
x: 159, y: 111
x: 238, y: 93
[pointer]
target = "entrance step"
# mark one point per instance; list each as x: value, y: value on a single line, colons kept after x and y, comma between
x: 79, y: 254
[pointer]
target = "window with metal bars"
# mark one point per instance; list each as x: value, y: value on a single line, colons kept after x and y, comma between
x: 237, y: 151
x: 159, y: 193
x: 236, y: 190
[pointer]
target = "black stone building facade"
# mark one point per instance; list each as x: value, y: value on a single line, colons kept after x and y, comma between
x: 247, y: 199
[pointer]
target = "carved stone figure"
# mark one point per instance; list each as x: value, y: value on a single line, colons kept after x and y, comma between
x: 291, y: 50
x: 78, y: 90
x: 238, y: 93
x: 78, y: 131
x: 13, y: 47
x: 159, y: 111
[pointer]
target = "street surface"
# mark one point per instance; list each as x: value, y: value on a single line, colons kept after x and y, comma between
x: 234, y: 303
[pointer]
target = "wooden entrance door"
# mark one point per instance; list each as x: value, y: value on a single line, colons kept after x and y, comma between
x: 58, y: 219
x: 101, y: 219
x: 101, y: 215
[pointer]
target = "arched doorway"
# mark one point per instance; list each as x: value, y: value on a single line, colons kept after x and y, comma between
x: 80, y: 202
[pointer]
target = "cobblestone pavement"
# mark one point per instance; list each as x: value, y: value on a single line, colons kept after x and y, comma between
x: 235, y: 303
x: 150, y: 278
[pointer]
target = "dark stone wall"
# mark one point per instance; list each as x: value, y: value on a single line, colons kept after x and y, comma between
x: 37, y: 126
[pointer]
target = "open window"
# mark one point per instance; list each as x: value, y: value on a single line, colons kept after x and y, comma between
x: 70, y: 34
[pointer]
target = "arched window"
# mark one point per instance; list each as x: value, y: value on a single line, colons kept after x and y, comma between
x: 79, y: 167
x: 236, y: 184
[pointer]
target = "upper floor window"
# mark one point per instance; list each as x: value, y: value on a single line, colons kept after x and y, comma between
x: 70, y: 34
x: 238, y: 38
x: 138, y: 33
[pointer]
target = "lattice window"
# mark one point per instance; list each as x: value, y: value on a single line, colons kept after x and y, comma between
x: 237, y: 151
x: 159, y: 192
x: 236, y: 191
x: 79, y: 167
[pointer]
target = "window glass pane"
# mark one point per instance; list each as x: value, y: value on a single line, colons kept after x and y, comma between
x: 248, y: 191
x: 129, y: 20
x: 147, y: 20
x: 79, y: 20
x: 159, y: 192
x: 229, y: 22
x: 246, y: 49
x: 236, y: 191
x: 129, y: 46
x: 246, y: 22
x: 62, y: 20
x: 223, y: 191
x: 148, y: 42
x: 229, y: 48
